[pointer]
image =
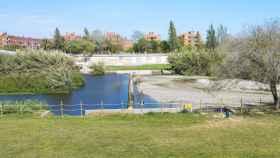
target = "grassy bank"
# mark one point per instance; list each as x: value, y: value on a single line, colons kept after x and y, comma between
x: 151, y: 135
x: 38, y: 72
x: 141, y: 67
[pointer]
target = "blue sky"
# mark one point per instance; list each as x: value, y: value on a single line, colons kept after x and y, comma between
x: 39, y: 18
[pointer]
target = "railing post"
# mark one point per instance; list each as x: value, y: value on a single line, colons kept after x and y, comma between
x: 122, y: 106
x: 241, y: 105
x: 101, y: 106
x: 81, y: 108
x: 142, y: 106
x: 200, y: 102
x: 61, y: 109
x: 21, y: 110
x: 2, y: 110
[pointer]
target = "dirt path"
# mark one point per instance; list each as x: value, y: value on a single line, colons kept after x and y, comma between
x: 180, y: 89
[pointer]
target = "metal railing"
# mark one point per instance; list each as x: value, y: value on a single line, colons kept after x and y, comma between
x: 141, y: 107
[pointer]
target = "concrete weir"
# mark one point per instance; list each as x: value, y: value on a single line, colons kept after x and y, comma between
x: 130, y: 92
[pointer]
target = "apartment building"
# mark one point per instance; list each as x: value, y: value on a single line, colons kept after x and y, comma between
x: 191, y: 38
x: 151, y: 36
x: 24, y: 42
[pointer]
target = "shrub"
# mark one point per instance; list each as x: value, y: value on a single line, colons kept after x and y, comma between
x: 29, y: 106
x: 38, y: 72
x: 98, y: 68
x: 194, y: 62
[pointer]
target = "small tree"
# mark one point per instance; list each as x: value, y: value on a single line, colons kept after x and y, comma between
x: 257, y: 57
x: 173, y: 39
x: 211, y: 39
x: 58, y: 40
x: 86, y: 34
x: 222, y: 34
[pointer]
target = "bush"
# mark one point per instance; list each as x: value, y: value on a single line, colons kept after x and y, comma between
x: 38, y: 72
x: 195, y: 62
x: 80, y: 46
x: 29, y: 106
x: 98, y: 68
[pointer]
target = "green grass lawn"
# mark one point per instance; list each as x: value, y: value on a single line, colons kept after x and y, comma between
x: 151, y: 135
x: 141, y: 67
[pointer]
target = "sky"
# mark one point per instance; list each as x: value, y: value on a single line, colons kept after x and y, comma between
x: 39, y: 18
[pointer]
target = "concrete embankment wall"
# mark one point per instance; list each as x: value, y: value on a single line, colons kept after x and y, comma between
x: 124, y: 59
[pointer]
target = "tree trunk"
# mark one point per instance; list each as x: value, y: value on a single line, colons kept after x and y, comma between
x: 273, y: 89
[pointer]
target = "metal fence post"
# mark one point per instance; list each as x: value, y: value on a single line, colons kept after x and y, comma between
x: 61, y: 109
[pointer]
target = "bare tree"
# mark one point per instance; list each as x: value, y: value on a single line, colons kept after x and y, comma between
x: 257, y: 57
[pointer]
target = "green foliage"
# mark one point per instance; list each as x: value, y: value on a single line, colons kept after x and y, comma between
x: 86, y: 34
x: 194, y: 62
x: 165, y: 48
x: 141, y: 136
x: 46, y: 44
x: 174, y: 42
x: 38, y: 72
x: 12, y: 47
x: 80, y: 46
x: 211, y: 39
x: 142, y: 67
x: 16, y: 107
x: 58, y: 40
x: 98, y: 68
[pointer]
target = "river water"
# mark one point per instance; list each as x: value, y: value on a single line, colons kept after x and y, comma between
x: 100, y: 92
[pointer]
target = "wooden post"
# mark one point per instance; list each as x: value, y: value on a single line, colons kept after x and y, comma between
x: 161, y: 108
x: 2, y: 110
x: 241, y: 105
x: 200, y: 102
x: 21, y: 110
x: 61, y: 109
x: 81, y: 108
x: 101, y: 105
x: 142, y: 106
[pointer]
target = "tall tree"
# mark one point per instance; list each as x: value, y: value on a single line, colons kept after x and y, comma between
x: 211, y: 39
x: 86, y: 34
x: 58, y: 40
x: 257, y: 57
x: 222, y: 34
x: 174, y: 42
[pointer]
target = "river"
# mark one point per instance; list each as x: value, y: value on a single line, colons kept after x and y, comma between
x: 109, y: 92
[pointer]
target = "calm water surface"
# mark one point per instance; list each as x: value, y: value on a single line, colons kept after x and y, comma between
x: 107, y: 92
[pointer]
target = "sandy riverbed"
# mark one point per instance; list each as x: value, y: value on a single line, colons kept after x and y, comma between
x: 192, y: 90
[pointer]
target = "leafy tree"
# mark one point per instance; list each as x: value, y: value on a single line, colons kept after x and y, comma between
x: 194, y: 62
x: 153, y: 46
x: 46, y: 44
x: 79, y: 46
x: 257, y: 57
x: 58, y: 40
x: 141, y: 46
x: 173, y: 39
x: 211, y: 39
x: 164, y: 46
